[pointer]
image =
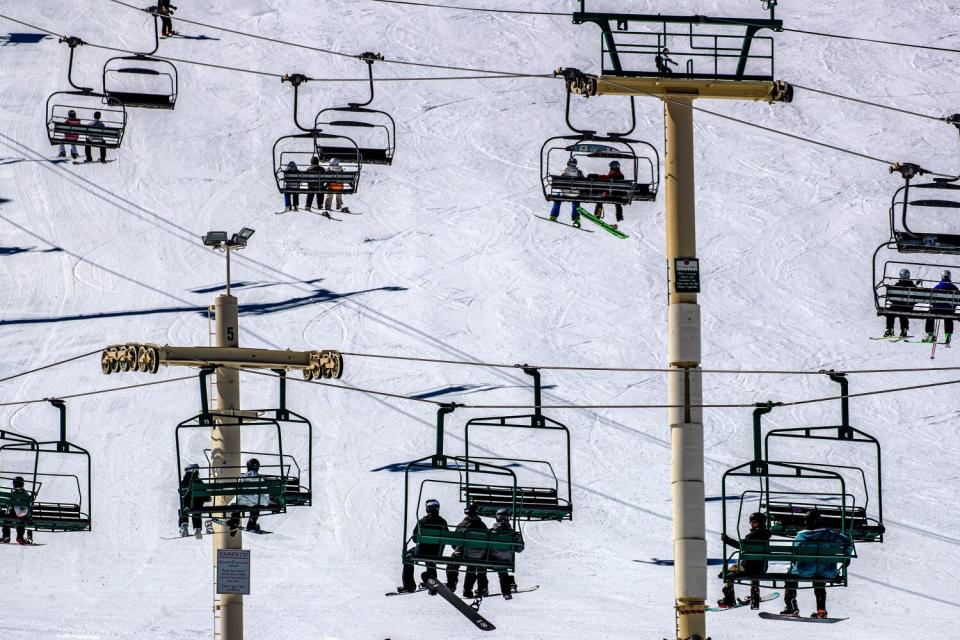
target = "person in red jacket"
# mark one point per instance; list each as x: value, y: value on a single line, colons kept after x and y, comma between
x: 70, y: 137
x: 613, y: 174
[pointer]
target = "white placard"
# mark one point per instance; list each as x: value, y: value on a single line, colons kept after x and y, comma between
x: 233, y: 571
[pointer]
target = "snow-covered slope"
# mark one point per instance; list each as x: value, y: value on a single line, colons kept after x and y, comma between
x: 447, y: 261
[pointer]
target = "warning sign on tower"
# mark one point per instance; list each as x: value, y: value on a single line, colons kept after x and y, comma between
x: 686, y: 275
x: 233, y: 571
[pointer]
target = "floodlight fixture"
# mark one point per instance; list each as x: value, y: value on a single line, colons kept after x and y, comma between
x: 245, y: 233
x: 215, y: 238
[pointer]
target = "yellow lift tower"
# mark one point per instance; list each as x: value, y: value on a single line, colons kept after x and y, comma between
x: 228, y: 358
x: 676, y: 59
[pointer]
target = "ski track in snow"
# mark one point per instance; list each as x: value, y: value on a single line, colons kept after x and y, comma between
x: 785, y: 235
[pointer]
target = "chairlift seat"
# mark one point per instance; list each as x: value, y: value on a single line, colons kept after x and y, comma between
x: 296, y: 495
x: 106, y: 137
x: 945, y: 243
x: 305, y: 182
x: 274, y: 487
x: 591, y: 189
x: 144, y: 100
x: 481, y: 549
x: 919, y: 303
x: 368, y: 155
x: 786, y: 519
x: 532, y: 503
x: 823, y: 553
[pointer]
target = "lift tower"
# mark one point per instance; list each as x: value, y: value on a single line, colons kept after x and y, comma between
x: 228, y: 358
x: 674, y: 59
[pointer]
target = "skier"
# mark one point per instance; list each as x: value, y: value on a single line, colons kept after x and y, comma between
x: 96, y: 124
x: 165, y: 9
x: 291, y: 201
x: 945, y: 284
x: 314, y: 168
x: 613, y: 174
x: 570, y: 171
x: 19, y: 509
x: 329, y: 198
x: 813, y: 536
x: 189, y: 481
x: 254, y: 500
x: 431, y: 520
x: 758, y: 531
x: 906, y: 282
x: 663, y: 61
x: 478, y: 577
x: 508, y: 585
x: 72, y: 138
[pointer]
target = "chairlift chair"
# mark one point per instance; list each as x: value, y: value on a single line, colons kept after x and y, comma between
x: 84, y: 102
x: 54, y: 500
x: 465, y: 550
x: 918, y: 300
x: 942, y: 195
x: 376, y: 128
x: 293, y: 170
x: 141, y: 80
x: 540, y: 500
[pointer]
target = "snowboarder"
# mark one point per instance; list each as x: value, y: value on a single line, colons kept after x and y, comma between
x: 813, y: 536
x: 19, y: 509
x: 613, y: 174
x: 291, y: 180
x: 190, y: 481
x: 88, y: 151
x: 328, y: 199
x: 945, y: 284
x: 570, y: 171
x: 906, y: 282
x: 508, y: 585
x: 165, y: 9
x: 758, y: 531
x: 312, y: 180
x: 663, y: 61
x: 471, y: 522
x: 432, y: 520
x: 255, y: 500
x: 72, y: 138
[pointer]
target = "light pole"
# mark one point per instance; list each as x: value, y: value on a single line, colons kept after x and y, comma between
x: 219, y: 240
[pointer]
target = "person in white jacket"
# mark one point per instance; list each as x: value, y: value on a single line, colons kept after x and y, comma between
x: 253, y: 501
x: 328, y: 199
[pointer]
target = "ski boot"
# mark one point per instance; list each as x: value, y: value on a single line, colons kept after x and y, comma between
x: 254, y: 527
x: 184, y: 531
x: 729, y: 598
x: 553, y: 218
x: 791, y: 608
x: 929, y: 338
x: 946, y: 338
x: 198, y: 533
x: 468, y: 593
x: 903, y: 333
x: 5, y: 540
x: 234, y: 525
x: 402, y: 589
x: 754, y: 598
x: 576, y: 223
x: 21, y: 540
x: 74, y: 156
x: 888, y: 333
x: 819, y: 613
x: 62, y: 154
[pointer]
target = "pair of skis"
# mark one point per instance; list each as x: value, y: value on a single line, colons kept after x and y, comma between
x: 594, y: 219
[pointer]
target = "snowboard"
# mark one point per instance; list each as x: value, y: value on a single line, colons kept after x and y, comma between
x: 109, y: 160
x: 603, y: 225
x: 776, y: 616
x: 29, y: 544
x: 745, y: 603
x: 566, y: 224
x: 261, y: 532
x: 892, y: 338
x: 526, y: 590
x: 405, y: 593
x: 460, y: 605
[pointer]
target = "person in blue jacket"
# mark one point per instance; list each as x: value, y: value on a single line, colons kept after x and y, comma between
x: 945, y: 284
x: 812, y: 539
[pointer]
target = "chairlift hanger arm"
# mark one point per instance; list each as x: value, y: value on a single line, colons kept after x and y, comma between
x: 296, y: 79
x: 369, y: 57
x: 73, y: 42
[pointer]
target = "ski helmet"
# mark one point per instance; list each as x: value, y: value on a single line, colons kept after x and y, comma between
x: 253, y: 464
x: 18, y: 482
x: 904, y: 274
x: 572, y: 162
x: 945, y: 274
x: 193, y: 466
x: 314, y: 160
x: 470, y: 509
x: 334, y: 162
x: 503, y: 515
x: 71, y: 114
x: 759, y: 518
x: 96, y: 115
x: 615, y: 164
x: 812, y: 519
x: 432, y: 506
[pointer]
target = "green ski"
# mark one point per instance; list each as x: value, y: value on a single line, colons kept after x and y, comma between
x: 600, y: 223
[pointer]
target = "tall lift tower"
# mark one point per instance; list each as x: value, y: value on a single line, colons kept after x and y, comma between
x: 228, y: 358
x: 680, y: 59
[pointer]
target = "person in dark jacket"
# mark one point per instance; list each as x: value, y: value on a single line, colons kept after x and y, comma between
x: 95, y: 138
x: 905, y: 282
x: 19, y: 509
x: 431, y: 520
x: 165, y: 9
x: 502, y: 527
x: 663, y: 62
x: 945, y: 284
x: 758, y: 532
x: 189, y: 482
x: 314, y: 168
x: 813, y: 538
x: 471, y: 521
x: 614, y: 174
